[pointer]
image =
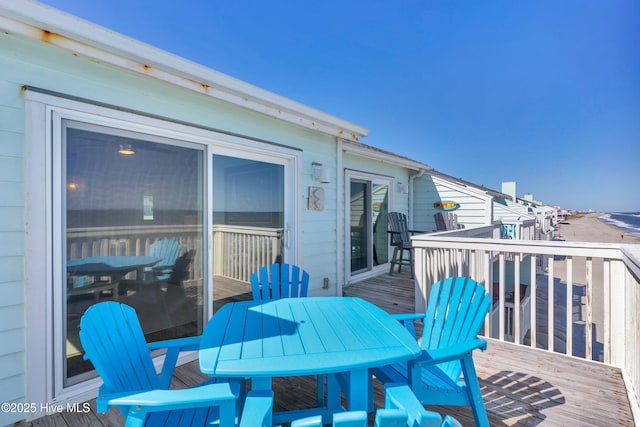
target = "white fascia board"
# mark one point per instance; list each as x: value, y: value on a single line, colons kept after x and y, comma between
x: 471, y: 191
x: 373, y: 153
x: 32, y: 20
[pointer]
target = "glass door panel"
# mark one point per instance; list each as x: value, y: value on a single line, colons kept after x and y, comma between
x: 359, y: 225
x: 133, y: 218
x: 368, y: 208
x: 379, y: 209
x: 248, y: 223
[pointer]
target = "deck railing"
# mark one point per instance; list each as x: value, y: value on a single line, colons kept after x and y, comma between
x: 578, y: 299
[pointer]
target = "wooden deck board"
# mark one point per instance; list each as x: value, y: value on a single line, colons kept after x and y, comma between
x: 520, y: 386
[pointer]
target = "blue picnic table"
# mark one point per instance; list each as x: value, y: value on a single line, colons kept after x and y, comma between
x: 305, y: 336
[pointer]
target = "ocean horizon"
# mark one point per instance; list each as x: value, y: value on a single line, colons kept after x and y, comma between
x: 628, y: 222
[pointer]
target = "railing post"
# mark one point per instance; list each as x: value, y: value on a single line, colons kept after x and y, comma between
x: 621, y: 297
x: 420, y: 279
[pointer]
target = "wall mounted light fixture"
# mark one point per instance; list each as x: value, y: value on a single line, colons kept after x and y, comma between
x: 402, y: 188
x: 126, y: 149
x: 320, y: 173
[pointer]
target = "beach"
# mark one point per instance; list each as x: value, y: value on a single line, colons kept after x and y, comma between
x: 586, y: 228
x: 589, y: 228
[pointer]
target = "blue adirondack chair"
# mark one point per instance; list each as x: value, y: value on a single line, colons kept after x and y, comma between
x: 277, y: 281
x: 401, y: 409
x: 168, y: 250
x: 113, y: 341
x: 455, y: 313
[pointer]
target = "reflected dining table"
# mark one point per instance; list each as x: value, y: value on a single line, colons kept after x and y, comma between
x: 261, y: 340
x: 115, y: 267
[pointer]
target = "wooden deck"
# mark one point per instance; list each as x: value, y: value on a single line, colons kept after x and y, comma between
x: 520, y: 386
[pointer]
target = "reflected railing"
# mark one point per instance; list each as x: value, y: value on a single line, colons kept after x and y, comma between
x: 238, y: 251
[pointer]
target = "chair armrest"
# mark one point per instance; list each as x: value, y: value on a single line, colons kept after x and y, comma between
x: 406, y: 319
x: 258, y: 409
x: 174, y: 347
x: 166, y: 400
x: 402, y: 317
x: 184, y: 344
x: 455, y: 352
x: 400, y: 396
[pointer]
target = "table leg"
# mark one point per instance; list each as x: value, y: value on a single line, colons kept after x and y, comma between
x: 261, y: 383
x: 359, y: 390
x: 333, y: 392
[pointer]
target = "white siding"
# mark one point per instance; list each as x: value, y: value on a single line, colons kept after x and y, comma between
x: 12, y: 331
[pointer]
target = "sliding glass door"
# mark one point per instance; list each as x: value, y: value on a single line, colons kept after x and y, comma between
x: 248, y: 222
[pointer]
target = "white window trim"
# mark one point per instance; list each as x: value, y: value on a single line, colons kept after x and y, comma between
x: 43, y: 117
x: 350, y: 174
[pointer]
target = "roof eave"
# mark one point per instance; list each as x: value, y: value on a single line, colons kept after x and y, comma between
x: 363, y: 150
x: 31, y: 20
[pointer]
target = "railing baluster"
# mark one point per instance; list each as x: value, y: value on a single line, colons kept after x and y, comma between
x: 501, y: 291
x: 550, y: 305
x: 589, y: 314
x: 516, y: 299
x: 606, y: 272
x: 569, y: 275
x: 533, y: 299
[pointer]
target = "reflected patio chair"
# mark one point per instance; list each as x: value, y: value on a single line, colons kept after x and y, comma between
x: 444, y: 374
x: 163, y: 303
x: 113, y: 341
x: 168, y: 250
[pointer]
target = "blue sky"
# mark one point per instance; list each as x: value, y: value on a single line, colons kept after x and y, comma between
x: 545, y: 93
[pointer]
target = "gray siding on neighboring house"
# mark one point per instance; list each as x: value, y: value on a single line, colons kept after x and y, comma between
x: 428, y: 190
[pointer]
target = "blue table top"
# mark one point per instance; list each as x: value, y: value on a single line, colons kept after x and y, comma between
x: 109, y: 264
x: 301, y: 336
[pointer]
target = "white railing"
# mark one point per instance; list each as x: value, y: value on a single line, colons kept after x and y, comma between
x: 578, y: 299
x: 239, y: 251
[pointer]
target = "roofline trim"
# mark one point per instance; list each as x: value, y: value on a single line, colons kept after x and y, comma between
x: 35, y: 21
x: 363, y: 150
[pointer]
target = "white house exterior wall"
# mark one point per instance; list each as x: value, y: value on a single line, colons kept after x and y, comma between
x: 35, y: 64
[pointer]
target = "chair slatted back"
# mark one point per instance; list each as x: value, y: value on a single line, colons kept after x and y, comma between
x: 275, y: 281
x: 113, y: 341
x: 166, y: 249
x: 455, y: 313
x: 398, y: 228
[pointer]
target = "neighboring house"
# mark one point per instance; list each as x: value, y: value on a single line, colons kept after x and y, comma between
x: 474, y: 203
